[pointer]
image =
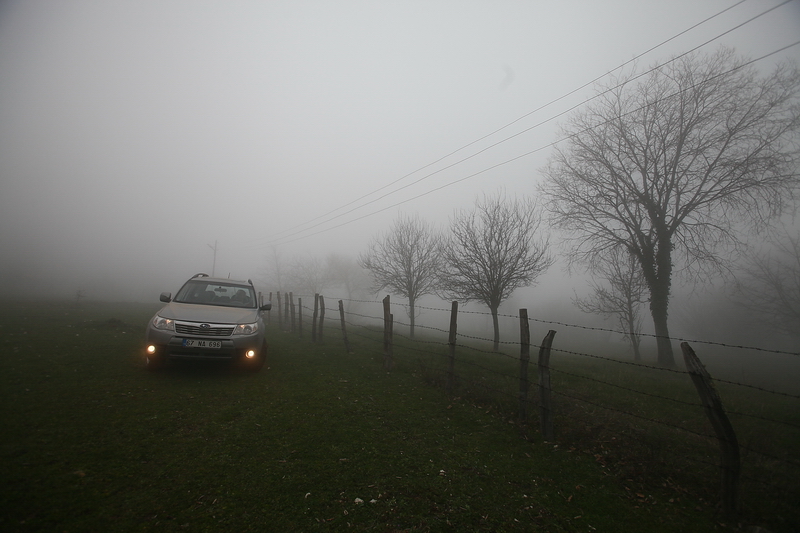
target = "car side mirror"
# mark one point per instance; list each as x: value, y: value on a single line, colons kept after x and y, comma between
x: 266, y: 307
x: 166, y: 297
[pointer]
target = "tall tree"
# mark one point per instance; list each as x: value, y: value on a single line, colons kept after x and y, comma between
x: 668, y: 165
x: 493, y: 250
x: 405, y: 261
x: 620, y: 294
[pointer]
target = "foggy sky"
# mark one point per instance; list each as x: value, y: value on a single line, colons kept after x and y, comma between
x: 135, y: 135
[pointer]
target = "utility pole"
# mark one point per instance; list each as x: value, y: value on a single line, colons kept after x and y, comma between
x: 214, y: 265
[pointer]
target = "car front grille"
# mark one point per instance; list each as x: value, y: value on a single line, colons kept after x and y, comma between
x: 212, y: 331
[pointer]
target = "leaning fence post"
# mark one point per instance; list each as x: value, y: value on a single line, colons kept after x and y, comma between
x: 390, y: 354
x: 524, y: 359
x: 387, y: 334
x: 344, y: 329
x: 545, y: 405
x: 291, y: 309
x: 730, y: 466
x: 451, y: 341
x: 314, y: 319
x: 321, y: 316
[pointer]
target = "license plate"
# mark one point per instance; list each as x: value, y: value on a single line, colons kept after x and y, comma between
x: 200, y: 343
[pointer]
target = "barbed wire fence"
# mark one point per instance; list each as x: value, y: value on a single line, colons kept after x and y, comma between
x: 638, y: 421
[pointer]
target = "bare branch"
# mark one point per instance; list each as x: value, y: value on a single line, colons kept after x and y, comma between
x: 493, y: 250
x: 770, y: 284
x: 405, y: 261
x: 622, y: 297
x: 671, y: 166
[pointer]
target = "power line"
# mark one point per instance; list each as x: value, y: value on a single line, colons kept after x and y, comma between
x: 570, y: 93
x: 287, y: 239
x: 298, y: 229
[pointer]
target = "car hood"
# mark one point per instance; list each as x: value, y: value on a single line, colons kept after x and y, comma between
x: 212, y: 314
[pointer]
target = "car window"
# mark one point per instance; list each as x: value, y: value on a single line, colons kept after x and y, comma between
x: 210, y: 293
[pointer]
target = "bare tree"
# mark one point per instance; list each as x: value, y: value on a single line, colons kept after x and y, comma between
x: 345, y: 272
x: 622, y: 297
x: 771, y: 284
x: 310, y: 275
x: 493, y: 250
x: 668, y: 166
x: 405, y: 260
x: 275, y: 271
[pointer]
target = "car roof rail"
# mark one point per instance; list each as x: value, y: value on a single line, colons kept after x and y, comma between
x: 200, y: 275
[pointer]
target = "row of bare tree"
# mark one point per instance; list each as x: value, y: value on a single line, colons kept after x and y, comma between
x: 666, y: 172
x: 489, y: 252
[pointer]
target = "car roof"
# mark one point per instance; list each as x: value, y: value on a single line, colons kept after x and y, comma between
x: 222, y: 281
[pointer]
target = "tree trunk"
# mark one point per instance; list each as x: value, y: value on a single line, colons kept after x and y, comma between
x: 658, y: 273
x: 496, y: 325
x: 659, y: 301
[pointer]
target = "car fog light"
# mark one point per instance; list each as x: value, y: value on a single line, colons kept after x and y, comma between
x: 250, y: 354
x: 151, y: 349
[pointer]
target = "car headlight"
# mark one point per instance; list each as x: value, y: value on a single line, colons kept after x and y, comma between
x: 245, y: 329
x: 159, y: 322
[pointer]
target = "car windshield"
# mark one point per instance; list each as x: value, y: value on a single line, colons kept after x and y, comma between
x: 216, y: 293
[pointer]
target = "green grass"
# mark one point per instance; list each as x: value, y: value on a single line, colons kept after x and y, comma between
x: 646, y: 426
x: 320, y: 440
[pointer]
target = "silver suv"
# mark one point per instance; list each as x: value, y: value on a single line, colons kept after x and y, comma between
x: 211, y: 319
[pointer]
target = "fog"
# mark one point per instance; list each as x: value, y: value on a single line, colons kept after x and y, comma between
x: 137, y: 136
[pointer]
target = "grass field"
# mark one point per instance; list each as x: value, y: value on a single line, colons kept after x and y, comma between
x: 320, y: 440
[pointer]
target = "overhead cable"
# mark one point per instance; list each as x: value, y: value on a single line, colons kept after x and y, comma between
x: 298, y: 229
x: 492, y: 167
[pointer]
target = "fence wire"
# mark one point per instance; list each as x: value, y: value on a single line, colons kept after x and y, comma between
x: 480, y: 369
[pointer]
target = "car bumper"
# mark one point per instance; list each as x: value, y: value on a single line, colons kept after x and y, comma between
x: 168, y: 344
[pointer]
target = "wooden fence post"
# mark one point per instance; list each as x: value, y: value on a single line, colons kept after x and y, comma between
x: 387, y: 334
x: 390, y: 357
x: 524, y: 359
x: 451, y: 341
x: 280, y: 317
x: 314, y: 319
x: 321, y: 316
x: 291, y: 309
x: 286, y: 323
x: 344, y: 329
x: 385, y: 325
x: 730, y: 466
x: 269, y: 313
x: 545, y: 405
x: 300, y: 316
